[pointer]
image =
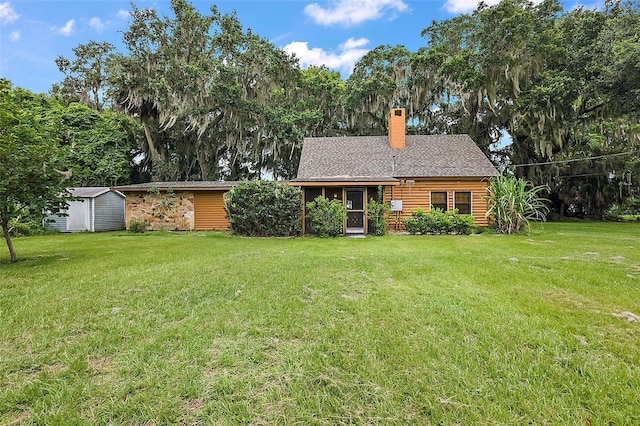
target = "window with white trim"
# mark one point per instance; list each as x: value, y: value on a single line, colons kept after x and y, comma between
x: 462, y: 202
x: 439, y: 200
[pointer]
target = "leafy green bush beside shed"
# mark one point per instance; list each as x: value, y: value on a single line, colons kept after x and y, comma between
x: 264, y: 208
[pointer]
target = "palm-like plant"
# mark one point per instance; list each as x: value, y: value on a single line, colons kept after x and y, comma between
x: 513, y: 202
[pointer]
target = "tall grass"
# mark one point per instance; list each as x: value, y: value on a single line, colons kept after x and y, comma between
x: 514, y: 202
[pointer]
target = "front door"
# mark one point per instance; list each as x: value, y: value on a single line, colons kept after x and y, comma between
x: 355, y: 211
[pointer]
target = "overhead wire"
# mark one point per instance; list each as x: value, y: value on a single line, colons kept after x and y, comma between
x: 572, y: 160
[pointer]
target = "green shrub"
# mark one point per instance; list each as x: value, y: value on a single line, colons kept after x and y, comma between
x: 264, y: 208
x: 377, y: 213
x: 327, y: 217
x: 23, y: 226
x: 628, y: 210
x: 633, y: 205
x: 137, y: 226
x: 438, y: 222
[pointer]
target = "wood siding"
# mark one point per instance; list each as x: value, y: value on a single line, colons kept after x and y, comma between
x: 417, y: 195
x: 209, y: 211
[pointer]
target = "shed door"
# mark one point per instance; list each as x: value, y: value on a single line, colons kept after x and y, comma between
x: 78, y: 219
x: 209, y: 211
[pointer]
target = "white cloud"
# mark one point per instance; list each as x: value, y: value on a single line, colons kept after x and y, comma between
x: 67, y: 30
x: 353, y: 43
x: 97, y: 24
x: 342, y: 59
x: 123, y: 14
x: 7, y: 14
x: 352, y: 12
x: 14, y: 36
x: 463, y: 6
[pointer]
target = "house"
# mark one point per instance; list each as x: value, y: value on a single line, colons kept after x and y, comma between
x: 177, y: 206
x: 99, y: 209
x: 443, y: 171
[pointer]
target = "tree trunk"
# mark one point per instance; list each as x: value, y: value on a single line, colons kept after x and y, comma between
x: 7, y: 237
x: 203, y: 162
x: 155, y: 155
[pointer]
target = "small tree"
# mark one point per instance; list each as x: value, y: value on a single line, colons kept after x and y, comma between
x: 264, y: 208
x: 514, y: 202
x: 327, y: 217
x: 30, y: 173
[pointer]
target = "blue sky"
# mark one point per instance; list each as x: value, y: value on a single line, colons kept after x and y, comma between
x: 335, y: 32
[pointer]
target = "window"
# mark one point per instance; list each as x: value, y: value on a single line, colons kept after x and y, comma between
x: 463, y: 202
x: 310, y: 194
x: 439, y: 201
x: 373, y: 193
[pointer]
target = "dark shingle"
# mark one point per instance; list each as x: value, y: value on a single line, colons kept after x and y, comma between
x: 371, y: 157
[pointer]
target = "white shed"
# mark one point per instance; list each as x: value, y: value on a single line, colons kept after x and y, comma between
x: 100, y: 209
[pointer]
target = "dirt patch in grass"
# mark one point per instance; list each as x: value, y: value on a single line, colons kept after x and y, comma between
x: 18, y: 420
x: 634, y: 271
x: 576, y: 301
x: 193, y: 407
x: 629, y: 316
x: 56, y: 368
x: 99, y: 363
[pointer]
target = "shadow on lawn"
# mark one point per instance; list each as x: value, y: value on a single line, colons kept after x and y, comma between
x: 38, y: 260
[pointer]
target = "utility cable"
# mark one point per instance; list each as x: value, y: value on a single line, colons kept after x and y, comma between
x: 572, y: 160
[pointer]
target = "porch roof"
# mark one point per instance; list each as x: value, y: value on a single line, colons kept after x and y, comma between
x: 346, y: 181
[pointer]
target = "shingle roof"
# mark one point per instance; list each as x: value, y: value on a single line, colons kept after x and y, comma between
x: 371, y: 157
x: 184, y: 185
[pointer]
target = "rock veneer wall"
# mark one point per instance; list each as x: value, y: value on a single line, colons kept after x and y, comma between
x: 161, y: 212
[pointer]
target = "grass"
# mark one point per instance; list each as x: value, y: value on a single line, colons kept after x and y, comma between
x: 192, y: 328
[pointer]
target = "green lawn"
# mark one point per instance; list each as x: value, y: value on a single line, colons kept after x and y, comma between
x: 188, y: 328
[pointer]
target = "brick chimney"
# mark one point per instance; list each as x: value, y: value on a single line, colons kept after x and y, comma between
x: 397, y: 128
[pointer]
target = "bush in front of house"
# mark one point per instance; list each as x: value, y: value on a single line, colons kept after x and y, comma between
x: 437, y: 221
x: 327, y: 217
x: 137, y: 226
x: 264, y: 209
x: 378, y: 213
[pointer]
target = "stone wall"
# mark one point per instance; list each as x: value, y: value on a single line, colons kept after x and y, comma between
x: 160, y: 212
